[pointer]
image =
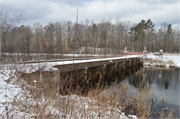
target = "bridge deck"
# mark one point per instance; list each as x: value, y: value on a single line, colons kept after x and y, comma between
x: 81, y: 64
x: 64, y: 66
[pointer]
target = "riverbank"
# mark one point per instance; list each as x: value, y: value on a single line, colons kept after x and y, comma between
x: 167, y: 60
x: 21, y: 100
x: 18, y: 99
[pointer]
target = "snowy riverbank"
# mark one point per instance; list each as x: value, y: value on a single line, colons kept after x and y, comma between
x: 166, y: 60
x: 17, y: 100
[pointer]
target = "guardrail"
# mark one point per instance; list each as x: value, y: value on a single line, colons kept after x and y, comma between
x: 133, y: 53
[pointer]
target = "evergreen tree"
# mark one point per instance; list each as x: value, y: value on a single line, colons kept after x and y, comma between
x: 138, y: 33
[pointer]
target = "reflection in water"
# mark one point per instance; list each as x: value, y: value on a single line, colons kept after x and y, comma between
x: 140, y: 78
x: 164, y: 84
x: 160, y: 73
x: 141, y: 73
x: 162, y: 78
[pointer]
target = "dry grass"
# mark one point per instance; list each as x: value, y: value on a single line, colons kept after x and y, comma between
x: 159, y: 63
x: 44, y: 100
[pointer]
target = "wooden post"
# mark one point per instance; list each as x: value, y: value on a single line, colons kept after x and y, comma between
x: 124, y: 67
x: 116, y: 66
x: 104, y: 69
x: 130, y: 63
x: 85, y: 73
x: 130, y: 71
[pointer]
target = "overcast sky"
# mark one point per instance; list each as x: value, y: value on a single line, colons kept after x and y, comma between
x: 45, y: 11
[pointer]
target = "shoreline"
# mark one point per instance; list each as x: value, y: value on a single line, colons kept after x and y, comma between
x: 164, y: 61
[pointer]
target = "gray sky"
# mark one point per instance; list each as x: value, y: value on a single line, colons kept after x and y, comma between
x: 45, y: 11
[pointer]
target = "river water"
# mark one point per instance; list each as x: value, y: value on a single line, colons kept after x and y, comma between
x: 164, y: 84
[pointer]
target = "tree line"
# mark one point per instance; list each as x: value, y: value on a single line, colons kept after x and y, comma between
x: 102, y: 37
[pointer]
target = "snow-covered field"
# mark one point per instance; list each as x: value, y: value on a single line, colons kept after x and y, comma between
x: 166, y: 59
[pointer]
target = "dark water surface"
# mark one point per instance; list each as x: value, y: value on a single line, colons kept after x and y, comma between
x: 164, y: 84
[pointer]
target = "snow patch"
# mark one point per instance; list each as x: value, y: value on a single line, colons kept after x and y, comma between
x: 167, y: 58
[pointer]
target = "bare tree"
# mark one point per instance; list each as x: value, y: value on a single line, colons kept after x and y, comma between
x: 87, y: 35
x: 38, y: 34
x: 94, y: 36
x: 69, y: 31
x: 58, y: 33
x: 104, y: 28
x: 7, y: 22
x: 178, y: 36
x: 119, y: 35
x: 164, y: 28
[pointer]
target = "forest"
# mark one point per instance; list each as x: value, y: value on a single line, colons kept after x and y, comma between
x: 106, y: 37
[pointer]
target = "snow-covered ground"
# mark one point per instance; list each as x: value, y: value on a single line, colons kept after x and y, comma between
x: 166, y: 59
x: 16, y: 99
